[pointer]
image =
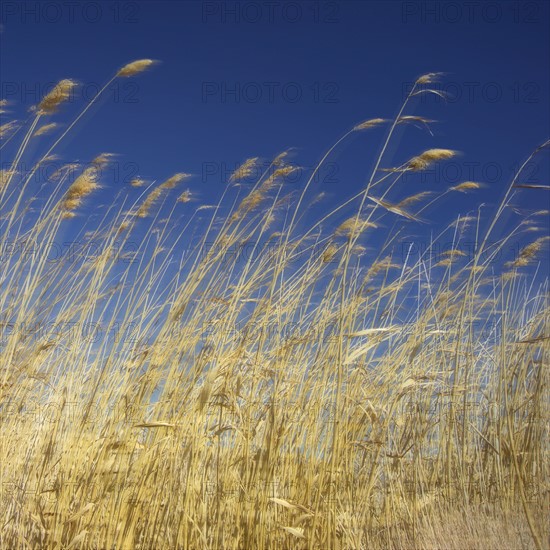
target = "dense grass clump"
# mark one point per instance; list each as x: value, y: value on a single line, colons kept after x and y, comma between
x: 317, y: 392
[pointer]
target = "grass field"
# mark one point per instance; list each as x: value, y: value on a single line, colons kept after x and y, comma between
x: 316, y: 393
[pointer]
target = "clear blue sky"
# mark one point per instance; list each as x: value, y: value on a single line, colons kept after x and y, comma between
x: 305, y: 72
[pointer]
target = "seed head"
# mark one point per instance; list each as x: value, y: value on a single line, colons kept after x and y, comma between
x: 279, y: 174
x: 135, y: 67
x: 102, y: 160
x: 244, y: 170
x: 58, y: 95
x: 85, y: 184
x: 171, y: 182
x: 186, y: 196
x: 5, y: 176
x: 137, y: 182
x: 153, y: 196
x: 369, y: 123
x: 428, y: 78
x: 7, y: 128
x: 353, y: 224
x: 428, y: 157
x: 280, y: 158
x: 529, y: 253
x: 465, y: 186
x: 45, y: 129
x: 414, y: 198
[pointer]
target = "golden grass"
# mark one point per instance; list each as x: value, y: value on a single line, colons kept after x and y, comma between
x: 282, y: 398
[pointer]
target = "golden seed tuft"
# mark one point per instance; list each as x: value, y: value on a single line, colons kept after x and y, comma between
x: 60, y: 93
x: 46, y: 128
x: 171, y: 182
x: 135, y: 67
x: 244, y: 170
x: 369, y: 124
x: 153, y: 196
x: 428, y: 78
x: 421, y: 162
x: 529, y: 253
x: 137, y: 182
x: 186, y: 196
x: 7, y: 128
x: 465, y: 186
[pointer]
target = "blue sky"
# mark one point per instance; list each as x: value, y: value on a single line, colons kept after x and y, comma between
x: 242, y: 79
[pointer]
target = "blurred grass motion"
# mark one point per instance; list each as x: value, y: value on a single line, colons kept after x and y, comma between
x: 348, y: 400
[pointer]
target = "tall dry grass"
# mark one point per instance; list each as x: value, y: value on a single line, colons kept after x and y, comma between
x: 316, y: 393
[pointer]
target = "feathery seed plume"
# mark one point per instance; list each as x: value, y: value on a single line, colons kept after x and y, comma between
x: 329, y: 253
x: 369, y: 123
x: 7, y: 128
x: 84, y: 184
x: 252, y: 200
x: 61, y: 92
x: 280, y: 158
x: 465, y: 186
x: 347, y: 226
x: 171, y: 182
x: 102, y: 160
x: 244, y: 170
x: 428, y: 78
x: 186, y: 196
x: 5, y: 176
x: 280, y: 173
x: 62, y: 171
x: 384, y: 264
x: 135, y: 67
x: 153, y: 196
x: 452, y: 252
x: 528, y: 254
x: 414, y: 198
x: 421, y: 162
x: 45, y: 129
x: 137, y: 182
